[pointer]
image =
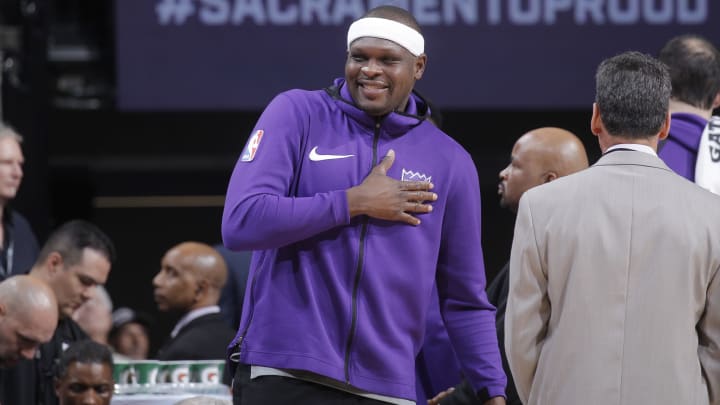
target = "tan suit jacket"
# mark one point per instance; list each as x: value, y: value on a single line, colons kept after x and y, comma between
x: 613, y: 289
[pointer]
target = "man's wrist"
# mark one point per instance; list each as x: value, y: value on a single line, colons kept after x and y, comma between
x: 354, y: 205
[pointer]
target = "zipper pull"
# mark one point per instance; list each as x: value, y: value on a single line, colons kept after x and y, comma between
x: 235, y: 356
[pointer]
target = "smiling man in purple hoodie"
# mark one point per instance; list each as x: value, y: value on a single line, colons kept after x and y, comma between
x: 355, y: 205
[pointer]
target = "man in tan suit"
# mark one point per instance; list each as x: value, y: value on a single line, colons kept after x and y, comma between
x: 613, y: 295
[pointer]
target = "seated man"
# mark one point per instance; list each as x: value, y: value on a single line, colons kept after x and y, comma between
x: 95, y: 315
x: 129, y: 336
x: 85, y: 374
x: 75, y: 259
x: 28, y: 317
x: 191, y: 277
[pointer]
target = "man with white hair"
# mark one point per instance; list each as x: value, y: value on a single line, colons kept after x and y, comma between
x: 18, y: 244
x: 94, y: 316
x: 355, y: 206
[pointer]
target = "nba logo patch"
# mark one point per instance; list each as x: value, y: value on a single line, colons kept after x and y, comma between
x: 251, y: 148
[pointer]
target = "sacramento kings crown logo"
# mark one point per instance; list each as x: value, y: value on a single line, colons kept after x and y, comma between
x: 409, y: 175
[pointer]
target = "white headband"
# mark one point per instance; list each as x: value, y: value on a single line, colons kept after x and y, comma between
x: 391, y: 30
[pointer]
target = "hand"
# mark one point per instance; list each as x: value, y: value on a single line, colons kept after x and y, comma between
x: 382, y: 197
x: 436, y: 400
x: 495, y: 401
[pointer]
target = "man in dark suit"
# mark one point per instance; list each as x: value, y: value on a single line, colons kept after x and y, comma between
x: 538, y: 157
x: 190, y: 280
x: 18, y: 244
x: 233, y: 294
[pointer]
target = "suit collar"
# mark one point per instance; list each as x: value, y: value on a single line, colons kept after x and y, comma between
x: 632, y: 146
x: 191, y: 316
x: 620, y: 157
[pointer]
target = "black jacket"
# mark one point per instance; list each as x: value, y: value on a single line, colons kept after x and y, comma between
x: 497, y: 293
x: 204, y: 338
x: 32, y: 381
x: 20, y: 246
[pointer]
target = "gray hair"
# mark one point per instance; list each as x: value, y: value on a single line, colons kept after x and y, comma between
x: 8, y: 131
x: 633, y: 94
x: 103, y: 297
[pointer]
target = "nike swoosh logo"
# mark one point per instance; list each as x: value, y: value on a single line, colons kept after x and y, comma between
x: 316, y: 157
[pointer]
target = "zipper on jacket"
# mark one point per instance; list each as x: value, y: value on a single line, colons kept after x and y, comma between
x: 250, y: 317
x: 358, y: 269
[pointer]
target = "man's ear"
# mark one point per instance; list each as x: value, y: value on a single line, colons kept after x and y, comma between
x: 201, y: 287
x: 665, y: 129
x: 420, y: 63
x: 57, y: 386
x: 596, y: 124
x: 716, y: 102
x: 54, y: 262
x: 550, y: 176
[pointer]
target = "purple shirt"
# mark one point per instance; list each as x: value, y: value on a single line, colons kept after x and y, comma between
x: 680, y: 149
x: 347, y: 298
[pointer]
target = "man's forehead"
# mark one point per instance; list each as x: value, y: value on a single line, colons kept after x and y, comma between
x: 179, y: 259
x: 91, y: 254
x: 9, y: 141
x: 39, y: 334
x: 95, y: 369
x: 381, y: 44
x: 93, y: 277
x: 524, y: 152
x: 93, y: 265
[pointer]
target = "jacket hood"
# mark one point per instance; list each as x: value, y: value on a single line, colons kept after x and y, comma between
x: 396, y: 123
x: 687, y: 129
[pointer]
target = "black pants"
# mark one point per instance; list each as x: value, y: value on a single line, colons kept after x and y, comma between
x: 277, y: 390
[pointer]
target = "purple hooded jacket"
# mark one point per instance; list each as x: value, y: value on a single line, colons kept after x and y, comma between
x: 347, y: 298
x: 680, y: 149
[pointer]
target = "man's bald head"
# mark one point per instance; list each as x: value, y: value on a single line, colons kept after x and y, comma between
x: 28, y: 317
x: 539, y: 156
x: 191, y: 276
x: 694, y: 65
x: 204, y: 261
x: 558, y: 151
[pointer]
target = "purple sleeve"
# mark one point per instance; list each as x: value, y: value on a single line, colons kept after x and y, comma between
x: 259, y: 211
x: 469, y: 317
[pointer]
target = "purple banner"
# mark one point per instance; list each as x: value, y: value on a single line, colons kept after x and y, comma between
x: 482, y: 54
